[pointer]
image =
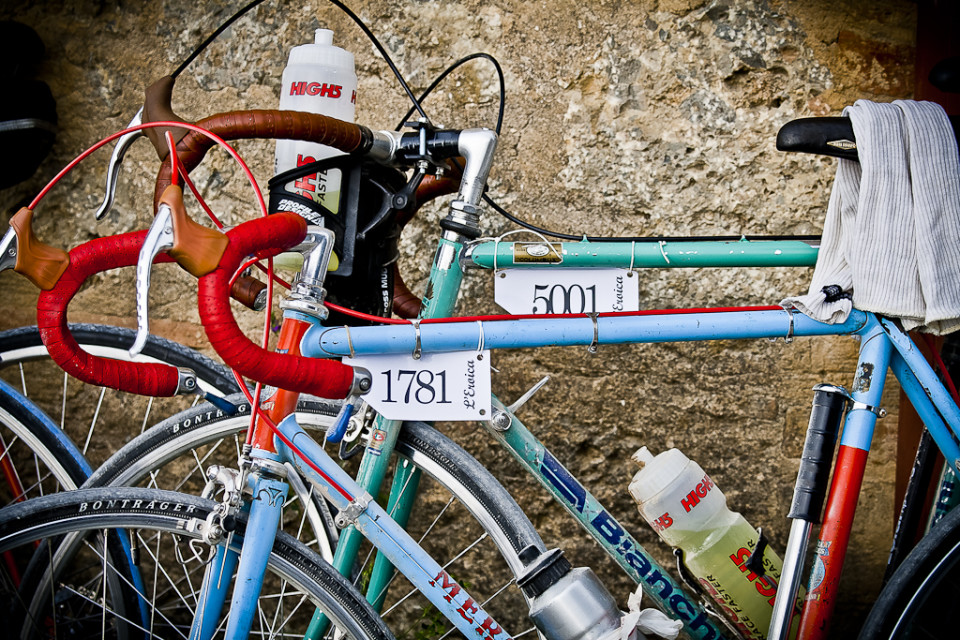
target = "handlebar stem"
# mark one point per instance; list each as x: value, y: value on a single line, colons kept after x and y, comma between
x: 307, y: 293
x: 477, y: 146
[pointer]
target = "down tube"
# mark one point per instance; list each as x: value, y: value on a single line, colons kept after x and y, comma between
x: 612, y: 536
x: 427, y: 576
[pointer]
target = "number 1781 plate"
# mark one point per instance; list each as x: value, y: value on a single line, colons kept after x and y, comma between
x: 438, y: 386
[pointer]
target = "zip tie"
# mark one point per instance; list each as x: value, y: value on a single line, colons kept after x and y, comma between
x: 350, y: 342
x: 633, y: 253
x: 595, y: 345
x: 662, y: 244
x: 480, y: 343
x: 417, y: 351
x: 789, y: 337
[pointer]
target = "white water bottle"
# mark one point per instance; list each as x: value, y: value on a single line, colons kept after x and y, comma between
x: 689, y: 512
x: 319, y: 78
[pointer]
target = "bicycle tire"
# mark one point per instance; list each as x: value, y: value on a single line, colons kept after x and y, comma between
x: 486, y: 501
x: 82, y: 410
x: 76, y: 517
x: 919, y: 601
x: 24, y: 343
x: 39, y: 456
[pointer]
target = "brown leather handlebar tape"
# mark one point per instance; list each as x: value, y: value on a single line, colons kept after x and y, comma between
x: 406, y: 304
x: 157, y: 108
x: 246, y: 290
x: 272, y: 124
x: 40, y: 263
x: 196, y: 248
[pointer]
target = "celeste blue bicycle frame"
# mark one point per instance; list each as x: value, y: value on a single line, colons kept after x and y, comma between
x: 883, y: 345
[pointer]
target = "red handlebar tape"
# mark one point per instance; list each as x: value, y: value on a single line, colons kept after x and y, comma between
x: 102, y: 254
x: 324, y: 378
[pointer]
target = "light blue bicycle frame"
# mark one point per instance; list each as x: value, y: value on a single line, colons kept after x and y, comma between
x: 883, y: 345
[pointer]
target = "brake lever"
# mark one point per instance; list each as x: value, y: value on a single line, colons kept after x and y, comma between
x: 159, y: 238
x: 196, y: 248
x: 116, y: 159
x: 21, y: 251
x: 8, y: 250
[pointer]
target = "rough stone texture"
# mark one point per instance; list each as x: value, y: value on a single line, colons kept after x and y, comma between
x: 621, y: 118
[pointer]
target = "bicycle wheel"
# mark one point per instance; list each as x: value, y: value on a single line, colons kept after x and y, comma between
x: 462, y: 514
x: 35, y: 457
x: 68, y: 593
x: 920, y: 600
x: 96, y: 418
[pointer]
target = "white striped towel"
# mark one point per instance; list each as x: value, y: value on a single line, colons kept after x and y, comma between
x: 892, y: 231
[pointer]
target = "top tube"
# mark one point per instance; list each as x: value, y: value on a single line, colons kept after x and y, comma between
x: 493, y: 254
x: 612, y: 328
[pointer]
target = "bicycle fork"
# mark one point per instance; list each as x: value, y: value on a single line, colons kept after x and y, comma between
x: 269, y: 490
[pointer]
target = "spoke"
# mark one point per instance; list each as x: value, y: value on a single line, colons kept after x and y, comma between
x: 23, y: 381
x: 406, y: 483
x: 146, y: 415
x: 199, y: 462
x: 278, y: 612
x: 171, y: 583
x: 37, y: 486
x: 37, y: 472
x: 374, y: 549
x: 437, y: 519
x: 488, y: 601
x: 450, y: 562
x: 303, y: 513
x: 103, y: 616
x: 63, y: 401
x: 303, y: 599
x: 90, y: 600
x: 6, y: 447
x: 93, y: 423
x: 53, y: 600
x: 133, y: 587
x: 153, y: 609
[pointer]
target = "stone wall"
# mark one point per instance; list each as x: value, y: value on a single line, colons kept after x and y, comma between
x: 622, y: 118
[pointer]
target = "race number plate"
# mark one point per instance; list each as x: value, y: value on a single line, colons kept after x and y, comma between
x: 438, y: 386
x: 542, y: 291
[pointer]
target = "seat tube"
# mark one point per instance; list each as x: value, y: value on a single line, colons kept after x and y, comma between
x: 446, y: 276
x: 269, y: 493
x: 875, y: 356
